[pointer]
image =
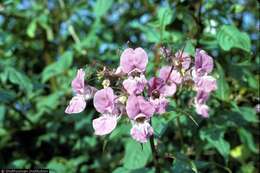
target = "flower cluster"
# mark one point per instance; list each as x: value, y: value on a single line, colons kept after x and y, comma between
x: 140, y: 99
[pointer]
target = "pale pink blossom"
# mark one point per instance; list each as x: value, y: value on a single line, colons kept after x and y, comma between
x: 167, y: 75
x: 105, y: 124
x: 82, y: 94
x: 203, y: 62
x: 184, y: 59
x: 141, y: 131
x: 133, y: 60
x: 104, y: 100
x: 206, y: 83
x: 137, y: 107
x: 135, y: 85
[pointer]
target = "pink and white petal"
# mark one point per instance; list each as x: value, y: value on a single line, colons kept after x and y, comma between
x: 141, y: 58
x: 176, y: 77
x: 77, y: 83
x: 104, y: 100
x: 203, y: 61
x: 127, y: 60
x: 146, y: 107
x: 141, y: 132
x: 202, y: 110
x: 76, y: 105
x: 206, y: 83
x: 132, y: 107
x: 130, y: 86
x: 105, y: 124
x: 164, y: 72
x: 168, y: 90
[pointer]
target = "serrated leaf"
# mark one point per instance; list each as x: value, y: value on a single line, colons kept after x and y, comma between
x: 230, y: 37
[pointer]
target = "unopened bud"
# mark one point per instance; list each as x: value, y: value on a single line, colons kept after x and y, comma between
x: 106, y: 83
x: 122, y: 99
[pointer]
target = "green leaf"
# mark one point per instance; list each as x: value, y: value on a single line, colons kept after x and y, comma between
x: 31, y: 29
x: 63, y: 63
x: 122, y: 129
x: 248, y: 168
x: 164, y: 15
x: 20, y: 79
x: 57, y: 165
x: 247, y: 138
x: 230, y: 37
x: 159, y: 126
x: 19, y: 164
x: 2, y: 114
x: 136, y: 156
x: 223, y: 90
x: 101, y: 7
x: 248, y: 113
x: 125, y: 170
x: 215, y: 137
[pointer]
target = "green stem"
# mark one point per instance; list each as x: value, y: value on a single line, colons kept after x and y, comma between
x: 155, y: 154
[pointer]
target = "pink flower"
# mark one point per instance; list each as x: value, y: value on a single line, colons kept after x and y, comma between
x: 206, y: 83
x: 154, y: 86
x: 175, y: 76
x: 83, y: 93
x: 184, y: 59
x: 135, y: 85
x: 76, y: 105
x: 141, y: 131
x: 133, y: 60
x: 160, y: 104
x: 104, y: 100
x: 201, y: 97
x: 137, y: 107
x: 202, y: 109
x: 200, y: 103
x: 105, y: 124
x: 171, y: 78
x: 203, y: 62
x: 78, y: 83
x: 105, y: 103
x: 156, y: 91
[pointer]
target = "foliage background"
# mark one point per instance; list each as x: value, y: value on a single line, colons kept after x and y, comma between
x: 42, y: 43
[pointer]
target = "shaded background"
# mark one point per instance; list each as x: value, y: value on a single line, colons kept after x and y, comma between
x: 42, y: 43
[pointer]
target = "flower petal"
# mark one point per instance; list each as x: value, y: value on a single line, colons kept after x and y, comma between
x: 104, y: 100
x: 175, y: 76
x: 105, y: 124
x: 206, y: 83
x: 141, y: 132
x: 77, y: 104
x: 77, y: 83
x: 203, y: 62
x: 132, y: 107
x: 202, y: 110
x: 133, y: 59
x: 168, y: 90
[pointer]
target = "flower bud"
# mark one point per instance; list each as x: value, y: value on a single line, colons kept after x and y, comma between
x: 106, y: 83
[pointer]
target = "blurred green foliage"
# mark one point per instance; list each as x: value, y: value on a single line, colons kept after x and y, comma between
x: 42, y: 43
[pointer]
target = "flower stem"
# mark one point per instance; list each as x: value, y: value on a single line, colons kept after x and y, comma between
x: 155, y: 155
